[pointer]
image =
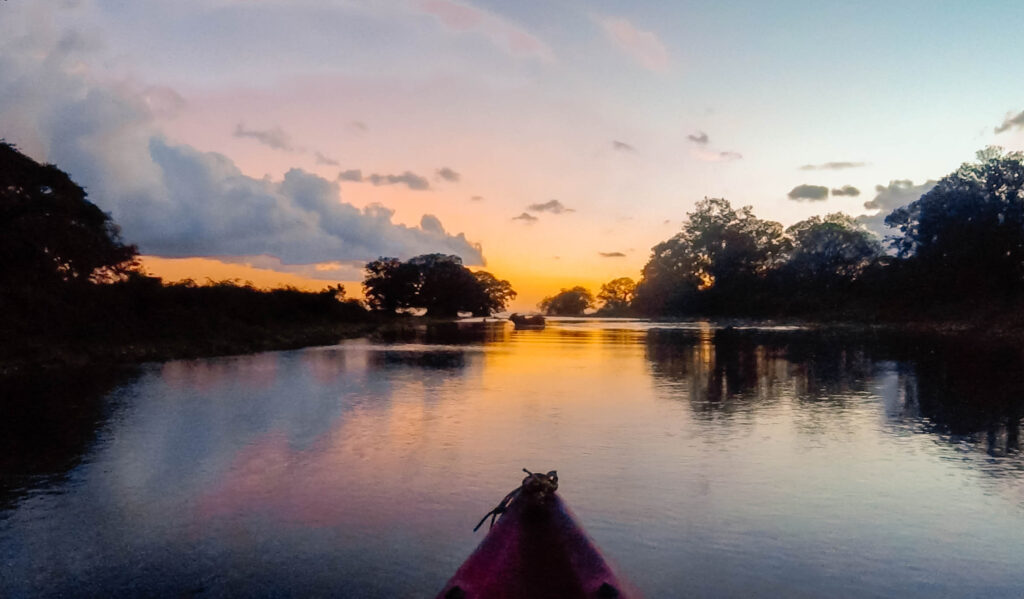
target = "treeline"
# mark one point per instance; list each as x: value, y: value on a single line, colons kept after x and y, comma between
x: 71, y: 289
x: 955, y: 253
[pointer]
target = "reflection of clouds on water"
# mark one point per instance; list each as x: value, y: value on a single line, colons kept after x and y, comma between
x: 690, y: 453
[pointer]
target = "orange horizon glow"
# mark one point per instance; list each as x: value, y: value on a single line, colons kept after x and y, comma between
x: 531, y: 285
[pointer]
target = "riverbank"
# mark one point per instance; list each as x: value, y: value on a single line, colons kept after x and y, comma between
x: 49, y: 353
x: 56, y: 354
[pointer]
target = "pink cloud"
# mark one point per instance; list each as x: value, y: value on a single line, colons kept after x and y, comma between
x: 645, y: 47
x: 501, y: 32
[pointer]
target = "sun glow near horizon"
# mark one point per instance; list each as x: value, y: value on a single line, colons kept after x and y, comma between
x: 558, y: 142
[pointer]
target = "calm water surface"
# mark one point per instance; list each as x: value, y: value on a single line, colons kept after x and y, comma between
x: 705, y: 462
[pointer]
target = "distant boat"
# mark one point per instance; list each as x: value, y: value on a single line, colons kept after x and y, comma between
x: 524, y: 322
x: 535, y: 551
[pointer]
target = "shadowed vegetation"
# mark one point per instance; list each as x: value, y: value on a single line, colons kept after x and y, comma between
x: 436, y: 283
x: 568, y: 302
x: 71, y: 291
x: 957, y: 254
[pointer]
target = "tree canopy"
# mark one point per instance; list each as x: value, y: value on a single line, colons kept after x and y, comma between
x: 50, y: 233
x: 438, y: 283
x: 831, y: 248
x: 719, y: 252
x: 969, y: 229
x: 616, y: 296
x: 568, y: 302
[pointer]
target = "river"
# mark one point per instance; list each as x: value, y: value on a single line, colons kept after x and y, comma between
x: 703, y: 461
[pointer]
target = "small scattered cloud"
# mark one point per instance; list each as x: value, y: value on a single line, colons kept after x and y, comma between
x: 846, y: 190
x: 526, y: 217
x: 1010, y: 122
x: 358, y: 127
x: 832, y: 166
x: 174, y: 200
x: 448, y: 174
x: 409, y: 179
x: 611, y: 254
x: 552, y: 206
x: 622, y: 146
x: 324, y: 159
x: 700, y: 138
x: 476, y: 198
x: 275, y: 138
x: 504, y: 34
x: 712, y: 156
x: 643, y: 46
x: 812, y: 193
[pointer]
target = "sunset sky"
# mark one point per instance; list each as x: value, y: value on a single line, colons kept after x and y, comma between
x: 290, y: 141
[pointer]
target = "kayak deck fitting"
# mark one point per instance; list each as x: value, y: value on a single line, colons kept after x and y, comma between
x: 535, y: 550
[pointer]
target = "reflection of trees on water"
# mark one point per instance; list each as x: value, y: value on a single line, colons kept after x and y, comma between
x: 722, y: 372
x: 957, y: 389
x: 433, y: 359
x: 969, y: 392
x: 48, y: 424
x: 446, y: 333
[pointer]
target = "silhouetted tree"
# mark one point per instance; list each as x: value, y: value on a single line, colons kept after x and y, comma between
x: 719, y: 257
x: 494, y: 294
x: 830, y: 249
x: 967, y: 233
x: 438, y: 283
x: 446, y: 287
x: 616, y: 295
x: 390, y: 284
x: 49, y: 232
x: 568, y: 302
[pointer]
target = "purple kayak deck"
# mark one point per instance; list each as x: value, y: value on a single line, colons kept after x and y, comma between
x: 535, y: 552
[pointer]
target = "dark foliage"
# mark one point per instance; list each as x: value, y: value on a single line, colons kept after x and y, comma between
x: 437, y: 283
x: 960, y: 255
x: 50, y: 234
x: 719, y: 263
x: 616, y: 297
x: 966, y: 235
x: 568, y: 302
x: 70, y: 290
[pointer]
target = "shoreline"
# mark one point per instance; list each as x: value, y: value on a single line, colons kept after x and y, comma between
x: 47, y: 355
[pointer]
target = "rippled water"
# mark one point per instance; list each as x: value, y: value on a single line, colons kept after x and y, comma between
x: 705, y: 462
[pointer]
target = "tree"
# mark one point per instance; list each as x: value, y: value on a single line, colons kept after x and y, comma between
x: 617, y: 295
x: 50, y: 233
x: 568, y: 302
x: 719, y: 259
x: 494, y: 294
x: 830, y: 249
x: 390, y: 284
x: 438, y: 283
x: 968, y: 231
x: 446, y: 287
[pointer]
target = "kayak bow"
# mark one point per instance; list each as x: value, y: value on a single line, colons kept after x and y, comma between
x: 535, y: 550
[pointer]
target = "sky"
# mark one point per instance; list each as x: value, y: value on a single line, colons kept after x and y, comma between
x: 551, y: 143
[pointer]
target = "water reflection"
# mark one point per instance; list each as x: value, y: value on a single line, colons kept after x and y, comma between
x: 707, y: 461
x: 958, y: 389
x: 49, y: 422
